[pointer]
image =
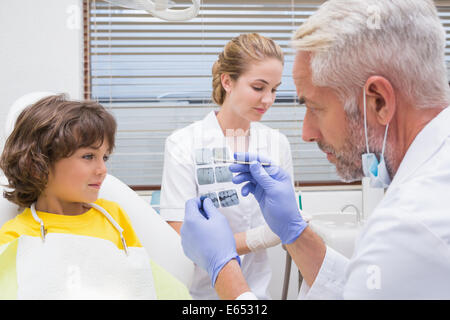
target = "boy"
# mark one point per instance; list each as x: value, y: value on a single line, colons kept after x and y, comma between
x: 67, y: 243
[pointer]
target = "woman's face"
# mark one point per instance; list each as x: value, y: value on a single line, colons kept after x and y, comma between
x: 253, y: 93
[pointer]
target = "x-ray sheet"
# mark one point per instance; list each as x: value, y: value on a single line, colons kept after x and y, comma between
x: 205, y: 176
x: 213, y: 197
x: 210, y: 168
x: 220, y: 153
x: 208, y: 156
x: 203, y: 156
x: 213, y: 173
x: 227, y: 198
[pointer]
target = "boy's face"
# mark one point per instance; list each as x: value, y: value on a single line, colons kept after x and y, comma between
x: 77, y: 179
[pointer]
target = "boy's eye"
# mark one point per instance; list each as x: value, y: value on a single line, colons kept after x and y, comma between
x: 257, y: 89
x: 88, y: 156
x: 105, y: 158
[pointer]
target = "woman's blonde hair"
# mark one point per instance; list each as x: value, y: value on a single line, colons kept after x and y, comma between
x: 236, y: 57
x: 45, y: 132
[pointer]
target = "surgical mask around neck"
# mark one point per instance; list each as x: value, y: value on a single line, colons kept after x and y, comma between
x: 376, y: 171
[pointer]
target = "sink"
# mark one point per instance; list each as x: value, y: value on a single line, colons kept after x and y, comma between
x: 336, y: 220
x: 338, y: 230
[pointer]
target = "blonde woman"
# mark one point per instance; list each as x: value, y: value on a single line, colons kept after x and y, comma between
x: 246, y: 76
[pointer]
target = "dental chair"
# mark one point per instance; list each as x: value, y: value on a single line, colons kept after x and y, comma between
x: 158, y: 238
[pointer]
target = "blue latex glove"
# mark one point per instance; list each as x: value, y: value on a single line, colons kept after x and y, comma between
x: 272, y: 188
x: 206, y: 237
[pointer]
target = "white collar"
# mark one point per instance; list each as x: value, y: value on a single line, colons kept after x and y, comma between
x: 429, y: 139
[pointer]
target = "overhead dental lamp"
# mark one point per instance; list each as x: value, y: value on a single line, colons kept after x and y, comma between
x: 160, y: 8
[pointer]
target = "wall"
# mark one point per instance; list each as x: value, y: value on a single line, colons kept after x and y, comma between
x: 41, y: 50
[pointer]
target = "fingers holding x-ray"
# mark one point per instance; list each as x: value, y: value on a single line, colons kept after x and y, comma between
x: 243, y: 177
x: 270, y: 168
x: 254, y: 189
x: 206, y: 207
x: 248, y: 188
x: 252, y: 186
x: 192, y: 209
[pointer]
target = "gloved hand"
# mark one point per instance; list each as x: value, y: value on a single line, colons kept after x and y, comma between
x: 272, y: 188
x: 206, y: 237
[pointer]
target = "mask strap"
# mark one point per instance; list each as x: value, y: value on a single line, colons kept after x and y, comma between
x: 384, y: 140
x: 365, y: 120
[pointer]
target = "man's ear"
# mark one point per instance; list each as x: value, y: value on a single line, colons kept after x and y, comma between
x: 227, y: 82
x: 381, y: 101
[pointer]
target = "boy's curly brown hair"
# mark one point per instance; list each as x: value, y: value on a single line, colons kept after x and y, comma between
x: 45, y: 132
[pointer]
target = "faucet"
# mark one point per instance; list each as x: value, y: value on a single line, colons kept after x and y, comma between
x: 358, y: 214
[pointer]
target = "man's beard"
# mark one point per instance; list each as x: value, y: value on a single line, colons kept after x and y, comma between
x: 348, y: 160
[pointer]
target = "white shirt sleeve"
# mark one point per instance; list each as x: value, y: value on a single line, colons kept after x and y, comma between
x: 330, y: 281
x: 247, y: 296
x: 178, y: 180
x: 399, y: 257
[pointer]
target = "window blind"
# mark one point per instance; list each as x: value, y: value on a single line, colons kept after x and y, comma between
x: 155, y: 77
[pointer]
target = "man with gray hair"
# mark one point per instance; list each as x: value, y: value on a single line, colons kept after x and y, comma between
x: 372, y: 75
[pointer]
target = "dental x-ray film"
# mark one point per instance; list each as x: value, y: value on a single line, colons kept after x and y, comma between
x: 220, y: 153
x: 203, y: 156
x: 213, y: 197
x: 205, y: 176
x: 228, y: 198
x: 223, y: 174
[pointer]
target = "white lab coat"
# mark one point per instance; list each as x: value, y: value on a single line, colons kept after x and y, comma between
x: 403, y: 251
x: 179, y: 183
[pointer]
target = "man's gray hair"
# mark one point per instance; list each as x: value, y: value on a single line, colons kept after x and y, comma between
x: 403, y: 41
